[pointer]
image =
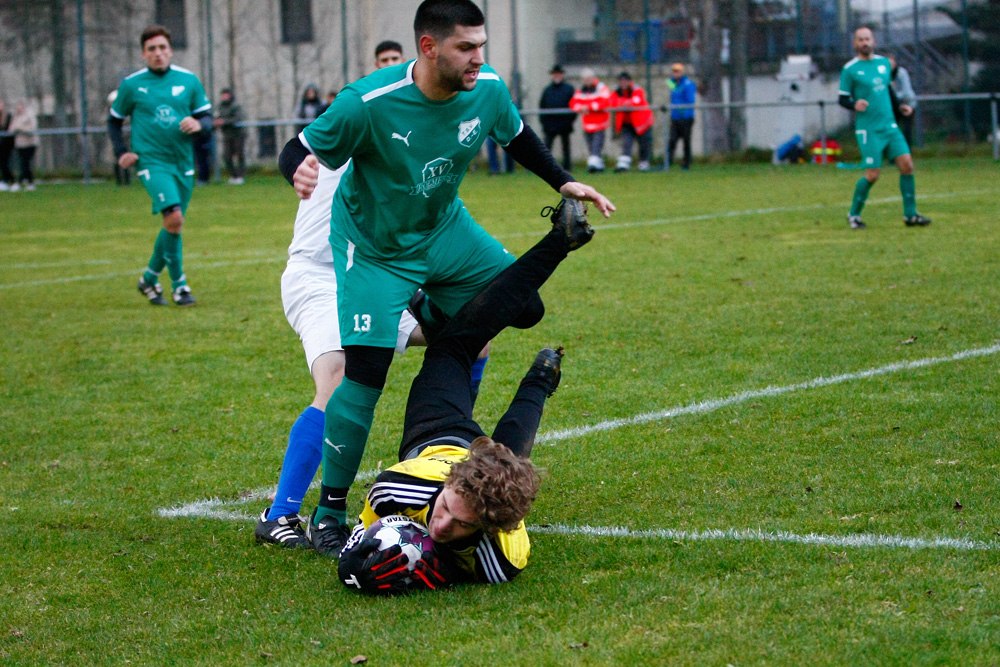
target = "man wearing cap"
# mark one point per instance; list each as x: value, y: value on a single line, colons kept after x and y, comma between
x: 557, y: 96
x: 682, y: 92
x: 633, y: 121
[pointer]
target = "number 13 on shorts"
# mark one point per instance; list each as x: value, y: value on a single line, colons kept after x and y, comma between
x: 362, y: 323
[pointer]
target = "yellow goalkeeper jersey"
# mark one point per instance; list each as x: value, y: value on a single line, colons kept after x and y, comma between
x: 411, y: 487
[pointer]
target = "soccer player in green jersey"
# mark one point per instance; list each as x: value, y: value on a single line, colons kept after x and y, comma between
x: 168, y: 106
x: 864, y: 88
x: 397, y: 223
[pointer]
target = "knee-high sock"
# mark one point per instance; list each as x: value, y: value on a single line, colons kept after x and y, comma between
x: 478, y: 366
x: 157, y: 260
x: 908, y: 188
x: 173, y: 255
x: 860, y: 195
x: 349, y: 415
x: 302, y: 459
x: 518, y: 426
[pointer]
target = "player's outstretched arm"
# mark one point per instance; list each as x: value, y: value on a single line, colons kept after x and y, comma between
x: 584, y: 192
x: 529, y: 151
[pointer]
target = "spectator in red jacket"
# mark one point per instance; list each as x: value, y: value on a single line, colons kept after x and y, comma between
x: 633, y: 124
x: 592, y: 102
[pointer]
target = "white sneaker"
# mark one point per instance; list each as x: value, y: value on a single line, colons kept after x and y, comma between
x: 4, y: 187
x: 30, y: 187
x: 236, y: 181
x: 16, y: 187
x: 644, y: 166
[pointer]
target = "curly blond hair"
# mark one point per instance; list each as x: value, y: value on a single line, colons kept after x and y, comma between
x: 498, y: 485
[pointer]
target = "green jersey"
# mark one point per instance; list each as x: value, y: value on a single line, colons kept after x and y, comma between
x: 869, y: 80
x: 157, y: 102
x: 408, y: 154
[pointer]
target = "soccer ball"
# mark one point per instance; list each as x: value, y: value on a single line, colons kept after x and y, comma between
x: 404, y: 531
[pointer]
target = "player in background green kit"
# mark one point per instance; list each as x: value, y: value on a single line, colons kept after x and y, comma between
x: 397, y: 223
x: 168, y: 106
x: 864, y: 88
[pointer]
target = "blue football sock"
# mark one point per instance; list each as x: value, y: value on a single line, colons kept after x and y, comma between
x: 302, y: 459
x: 477, y: 376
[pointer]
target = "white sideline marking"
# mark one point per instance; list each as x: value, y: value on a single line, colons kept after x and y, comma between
x: 752, y: 211
x: 209, y: 509
x: 734, y: 535
x: 715, y: 404
x: 623, y: 225
x: 136, y: 272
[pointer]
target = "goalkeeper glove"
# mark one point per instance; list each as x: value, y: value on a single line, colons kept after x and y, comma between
x: 372, y: 571
x: 432, y: 573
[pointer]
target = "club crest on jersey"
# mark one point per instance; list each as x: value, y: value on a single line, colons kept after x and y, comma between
x: 881, y: 69
x: 468, y: 131
x: 435, y: 173
x: 164, y: 116
x: 177, y: 90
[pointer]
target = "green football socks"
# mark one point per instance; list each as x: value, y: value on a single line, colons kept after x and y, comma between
x: 167, y: 252
x: 860, y: 195
x: 908, y: 188
x: 349, y: 416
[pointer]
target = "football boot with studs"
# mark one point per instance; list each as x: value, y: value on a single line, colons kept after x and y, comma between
x: 285, y: 531
x: 328, y: 537
x: 569, y: 218
x: 152, y: 292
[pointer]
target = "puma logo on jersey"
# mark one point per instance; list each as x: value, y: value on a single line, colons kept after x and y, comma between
x: 143, y: 90
x: 405, y: 140
x: 177, y: 90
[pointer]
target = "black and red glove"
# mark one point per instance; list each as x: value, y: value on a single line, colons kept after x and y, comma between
x: 380, y: 572
x: 431, y: 572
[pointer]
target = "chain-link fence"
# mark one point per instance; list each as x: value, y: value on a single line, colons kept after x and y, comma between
x: 88, y: 152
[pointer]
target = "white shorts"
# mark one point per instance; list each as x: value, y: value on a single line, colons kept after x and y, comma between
x: 309, y: 296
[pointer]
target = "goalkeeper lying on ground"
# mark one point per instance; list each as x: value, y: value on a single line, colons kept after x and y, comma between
x: 472, y: 492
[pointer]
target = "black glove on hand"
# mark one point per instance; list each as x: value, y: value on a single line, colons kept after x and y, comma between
x: 380, y: 572
x: 433, y: 573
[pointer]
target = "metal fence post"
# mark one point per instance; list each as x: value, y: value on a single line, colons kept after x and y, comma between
x: 666, y: 136
x: 996, y: 130
x: 822, y: 125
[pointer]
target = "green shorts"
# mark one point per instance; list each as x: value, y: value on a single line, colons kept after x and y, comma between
x: 888, y: 141
x: 167, y: 185
x: 453, y: 265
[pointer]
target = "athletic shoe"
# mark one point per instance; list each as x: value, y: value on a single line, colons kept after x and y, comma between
x: 30, y: 187
x: 4, y: 186
x: 328, y: 537
x: 855, y: 222
x: 236, y: 180
x: 182, y: 296
x: 285, y: 531
x: 420, y: 306
x: 152, y: 292
x: 644, y: 166
x: 916, y: 221
x: 569, y: 218
x: 15, y: 187
x: 547, y: 367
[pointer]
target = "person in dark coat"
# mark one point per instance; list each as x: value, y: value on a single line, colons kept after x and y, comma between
x: 557, y: 96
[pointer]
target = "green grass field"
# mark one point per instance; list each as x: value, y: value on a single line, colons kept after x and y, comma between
x: 706, y: 288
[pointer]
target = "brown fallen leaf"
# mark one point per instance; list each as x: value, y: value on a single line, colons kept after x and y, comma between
x: 359, y: 659
x: 958, y: 506
x: 17, y: 633
x: 265, y: 654
x: 909, y: 341
x: 575, y: 646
